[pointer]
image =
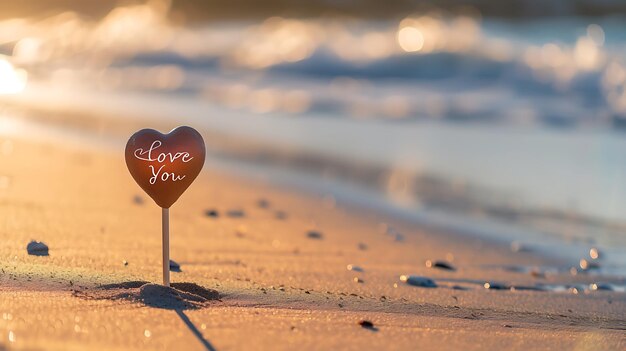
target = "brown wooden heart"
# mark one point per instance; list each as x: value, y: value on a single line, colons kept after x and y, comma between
x: 165, y: 165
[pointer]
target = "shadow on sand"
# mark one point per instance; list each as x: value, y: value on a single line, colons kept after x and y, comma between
x: 207, y: 345
x: 179, y: 297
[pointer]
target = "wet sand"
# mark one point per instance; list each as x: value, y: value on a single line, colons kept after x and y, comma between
x: 280, y: 286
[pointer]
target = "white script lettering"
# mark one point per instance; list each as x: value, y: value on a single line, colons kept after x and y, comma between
x: 160, y: 174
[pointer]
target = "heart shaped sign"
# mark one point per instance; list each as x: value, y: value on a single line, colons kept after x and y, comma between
x: 165, y: 165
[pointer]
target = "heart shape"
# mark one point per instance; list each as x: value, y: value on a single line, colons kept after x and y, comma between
x: 165, y: 165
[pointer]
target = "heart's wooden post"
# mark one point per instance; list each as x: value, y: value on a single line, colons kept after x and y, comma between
x: 166, y: 246
x: 164, y: 166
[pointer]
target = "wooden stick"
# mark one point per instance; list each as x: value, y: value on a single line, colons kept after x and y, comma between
x: 166, y: 247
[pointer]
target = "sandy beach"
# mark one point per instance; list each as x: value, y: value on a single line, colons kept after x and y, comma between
x: 278, y: 258
x: 375, y: 178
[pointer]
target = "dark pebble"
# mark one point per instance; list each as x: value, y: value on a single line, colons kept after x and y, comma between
x: 458, y: 287
x: 174, y: 266
x: 37, y: 248
x: 440, y: 264
x: 280, y: 215
x: 314, y: 235
x: 138, y: 200
x: 495, y: 286
x: 355, y: 268
x: 211, y: 213
x: 366, y: 324
x: 262, y: 203
x: 601, y: 286
x: 362, y: 246
x: 235, y: 213
x: 418, y: 281
x: 527, y: 288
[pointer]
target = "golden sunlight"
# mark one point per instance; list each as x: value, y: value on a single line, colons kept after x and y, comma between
x: 12, y: 80
x: 410, y: 39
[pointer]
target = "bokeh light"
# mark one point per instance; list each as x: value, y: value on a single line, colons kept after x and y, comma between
x: 12, y: 80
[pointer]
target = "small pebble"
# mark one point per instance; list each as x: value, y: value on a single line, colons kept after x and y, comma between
x: 352, y: 267
x: 235, y: 213
x: 362, y: 246
x: 398, y: 237
x: 280, y: 215
x: 527, y: 288
x: 211, y: 213
x: 314, y: 235
x: 366, y: 324
x: 138, y: 200
x: 418, y: 281
x: 384, y: 228
x: 440, y: 264
x: 174, y: 266
x: 357, y: 280
x: 495, y: 286
x: 125, y: 263
x: 600, y: 286
x: 458, y: 287
x: 263, y: 203
x: 37, y: 248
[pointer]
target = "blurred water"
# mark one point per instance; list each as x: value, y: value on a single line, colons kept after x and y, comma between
x: 518, y: 124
